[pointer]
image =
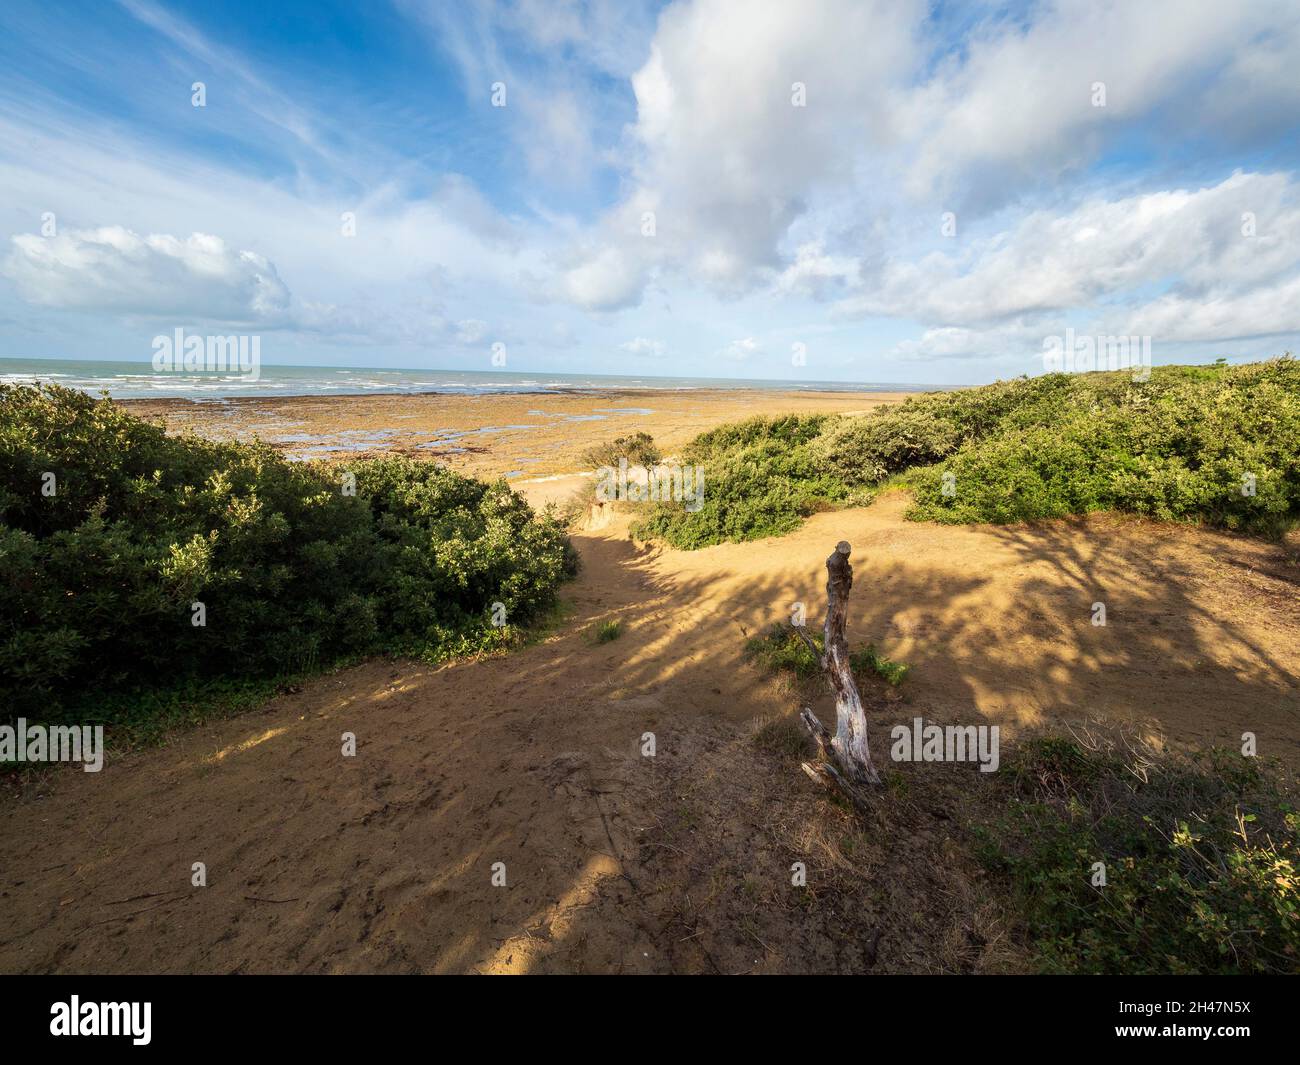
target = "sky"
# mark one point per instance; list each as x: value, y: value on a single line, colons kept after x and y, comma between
x: 841, y: 190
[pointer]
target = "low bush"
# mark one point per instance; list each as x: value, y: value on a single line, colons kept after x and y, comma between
x: 609, y: 630
x: 761, y: 478
x: 131, y: 560
x: 637, y: 449
x: 1217, y: 444
x: 1200, y: 856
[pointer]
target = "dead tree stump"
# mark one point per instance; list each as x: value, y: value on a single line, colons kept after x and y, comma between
x: 846, y: 755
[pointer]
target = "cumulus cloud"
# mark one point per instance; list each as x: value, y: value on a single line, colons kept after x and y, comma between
x: 899, y: 124
x: 610, y: 280
x: 721, y: 154
x: 814, y: 272
x: 1020, y: 103
x: 684, y: 169
x: 1214, y: 242
x: 643, y: 346
x: 201, y: 278
x: 1271, y: 310
x: 116, y: 270
x: 990, y: 342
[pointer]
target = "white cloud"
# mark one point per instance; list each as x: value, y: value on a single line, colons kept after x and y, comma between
x: 720, y: 153
x: 643, y: 346
x: 610, y: 280
x: 765, y: 213
x: 740, y: 350
x: 1271, y: 310
x: 471, y: 331
x: 816, y: 273
x: 1101, y: 249
x: 1020, y: 103
x: 899, y: 126
x: 116, y: 270
x: 558, y: 110
x: 990, y: 342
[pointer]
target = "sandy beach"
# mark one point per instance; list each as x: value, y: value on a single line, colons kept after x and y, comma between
x: 520, y: 436
x: 694, y: 488
x: 635, y: 864
x: 675, y: 863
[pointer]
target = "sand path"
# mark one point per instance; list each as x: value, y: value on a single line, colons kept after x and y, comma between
x: 383, y: 862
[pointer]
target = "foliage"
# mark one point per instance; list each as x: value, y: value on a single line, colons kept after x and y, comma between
x: 869, y: 660
x: 1183, y: 446
x: 1219, y: 444
x: 760, y: 479
x: 609, y: 630
x: 638, y: 449
x: 99, y: 580
x: 780, y: 649
x: 1200, y: 854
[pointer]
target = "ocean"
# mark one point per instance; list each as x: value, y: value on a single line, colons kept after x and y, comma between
x: 139, y: 380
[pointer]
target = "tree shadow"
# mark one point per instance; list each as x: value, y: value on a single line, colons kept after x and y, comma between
x: 537, y: 759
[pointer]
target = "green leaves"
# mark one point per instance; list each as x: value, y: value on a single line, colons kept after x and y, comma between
x: 1200, y: 859
x: 97, y: 582
x: 1222, y: 446
x: 761, y: 479
x: 1217, y: 444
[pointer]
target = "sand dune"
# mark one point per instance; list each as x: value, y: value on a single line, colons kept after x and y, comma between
x: 614, y: 861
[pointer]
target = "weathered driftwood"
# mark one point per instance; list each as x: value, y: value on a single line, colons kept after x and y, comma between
x: 846, y: 758
x: 826, y: 771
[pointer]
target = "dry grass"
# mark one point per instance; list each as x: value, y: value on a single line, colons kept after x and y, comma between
x: 894, y: 892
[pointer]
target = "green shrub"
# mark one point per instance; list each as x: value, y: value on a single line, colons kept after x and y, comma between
x: 638, y: 449
x: 867, y: 450
x: 98, y: 580
x: 1180, y: 446
x: 760, y: 479
x: 780, y: 649
x: 869, y: 660
x: 1200, y: 855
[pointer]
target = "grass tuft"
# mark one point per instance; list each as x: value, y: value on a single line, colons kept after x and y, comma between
x: 780, y: 649
x: 609, y: 630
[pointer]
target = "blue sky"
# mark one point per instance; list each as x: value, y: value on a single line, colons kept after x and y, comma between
x: 949, y: 191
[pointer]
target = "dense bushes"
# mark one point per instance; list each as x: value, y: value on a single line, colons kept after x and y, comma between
x: 1219, y: 444
x: 1183, y: 445
x: 102, y: 565
x: 868, y: 450
x: 761, y: 479
x: 1201, y: 860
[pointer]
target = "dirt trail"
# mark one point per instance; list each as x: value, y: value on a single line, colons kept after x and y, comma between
x: 383, y: 862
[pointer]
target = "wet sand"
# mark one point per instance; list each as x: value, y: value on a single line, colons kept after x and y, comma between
x: 520, y: 436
